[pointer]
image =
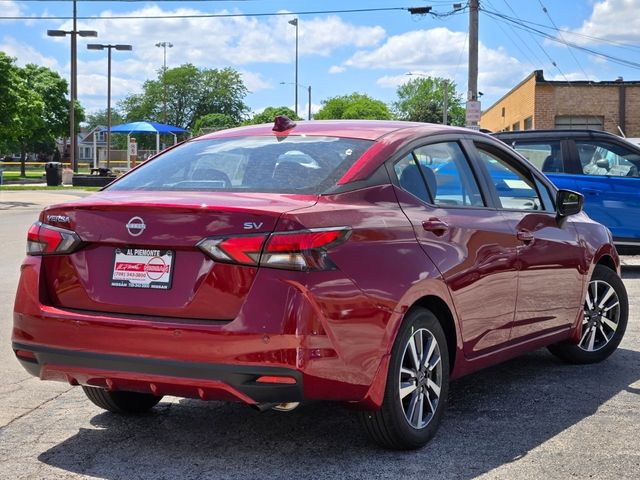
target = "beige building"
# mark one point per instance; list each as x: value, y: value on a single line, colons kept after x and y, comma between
x: 536, y: 103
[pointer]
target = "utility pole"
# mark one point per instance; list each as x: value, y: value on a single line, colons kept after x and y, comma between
x: 445, y: 101
x: 73, y: 150
x: 472, y: 94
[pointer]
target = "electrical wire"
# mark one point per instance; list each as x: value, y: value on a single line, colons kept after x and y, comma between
x: 524, y: 27
x: 204, y: 15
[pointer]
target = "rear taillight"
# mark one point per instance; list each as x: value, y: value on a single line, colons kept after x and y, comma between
x: 244, y: 250
x: 301, y: 250
x: 47, y: 240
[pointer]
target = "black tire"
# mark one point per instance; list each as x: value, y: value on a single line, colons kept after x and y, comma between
x: 389, y: 426
x: 598, y: 321
x: 121, y: 402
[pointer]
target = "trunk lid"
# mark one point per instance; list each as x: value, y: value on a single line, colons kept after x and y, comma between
x: 130, y: 229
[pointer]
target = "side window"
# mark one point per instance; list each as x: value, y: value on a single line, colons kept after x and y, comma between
x: 448, y: 175
x: 601, y: 158
x: 547, y: 156
x: 515, y: 190
x: 410, y: 178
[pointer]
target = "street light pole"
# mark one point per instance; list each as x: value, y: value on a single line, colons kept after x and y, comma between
x: 308, y: 87
x: 73, y: 94
x: 109, y: 47
x: 294, y: 22
x: 164, y: 46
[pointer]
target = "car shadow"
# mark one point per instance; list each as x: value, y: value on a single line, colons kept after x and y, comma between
x: 494, y: 417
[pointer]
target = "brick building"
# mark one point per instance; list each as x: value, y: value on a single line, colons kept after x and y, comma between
x: 536, y: 103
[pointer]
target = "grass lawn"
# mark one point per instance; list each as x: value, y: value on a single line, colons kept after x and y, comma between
x: 44, y: 189
x: 15, y: 175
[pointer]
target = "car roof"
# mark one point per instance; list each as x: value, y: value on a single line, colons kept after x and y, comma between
x: 360, y: 129
x: 555, y: 133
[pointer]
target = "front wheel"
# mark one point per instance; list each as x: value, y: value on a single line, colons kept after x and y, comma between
x: 121, y: 402
x: 417, y: 385
x: 606, y: 309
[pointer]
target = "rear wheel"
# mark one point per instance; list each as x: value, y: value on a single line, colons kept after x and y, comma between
x: 121, y: 402
x: 417, y: 385
x: 606, y: 308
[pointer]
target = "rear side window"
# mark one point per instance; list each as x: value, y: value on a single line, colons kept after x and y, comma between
x: 601, y: 158
x: 547, y: 156
x: 292, y: 164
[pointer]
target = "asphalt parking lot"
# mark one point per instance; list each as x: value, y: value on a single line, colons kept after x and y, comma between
x: 532, y: 417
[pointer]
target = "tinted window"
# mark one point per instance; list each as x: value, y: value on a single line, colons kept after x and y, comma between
x: 411, y: 178
x: 600, y: 158
x: 547, y: 156
x: 448, y: 175
x: 292, y: 164
x: 515, y: 190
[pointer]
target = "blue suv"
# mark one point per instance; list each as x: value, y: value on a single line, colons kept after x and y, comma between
x: 603, y: 167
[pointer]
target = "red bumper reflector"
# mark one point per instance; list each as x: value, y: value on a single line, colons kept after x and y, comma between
x: 274, y: 379
x: 25, y: 354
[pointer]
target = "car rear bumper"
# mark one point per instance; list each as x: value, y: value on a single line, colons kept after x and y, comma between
x: 301, y: 332
x: 248, y: 384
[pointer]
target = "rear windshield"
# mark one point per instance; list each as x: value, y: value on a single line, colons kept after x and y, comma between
x: 292, y: 164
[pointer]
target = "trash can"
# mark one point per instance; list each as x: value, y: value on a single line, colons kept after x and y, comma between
x: 53, y: 171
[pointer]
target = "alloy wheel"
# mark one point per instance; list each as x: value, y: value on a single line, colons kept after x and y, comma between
x: 420, y: 378
x: 601, y: 316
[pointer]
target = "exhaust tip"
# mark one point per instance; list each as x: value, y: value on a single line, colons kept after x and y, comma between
x: 279, y: 407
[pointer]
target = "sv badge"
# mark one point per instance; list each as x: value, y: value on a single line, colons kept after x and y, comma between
x: 253, y: 225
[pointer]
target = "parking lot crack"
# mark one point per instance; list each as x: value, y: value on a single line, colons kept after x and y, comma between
x: 3, y: 427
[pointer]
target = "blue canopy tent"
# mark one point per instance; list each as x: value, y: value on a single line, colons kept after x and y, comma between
x: 147, y: 127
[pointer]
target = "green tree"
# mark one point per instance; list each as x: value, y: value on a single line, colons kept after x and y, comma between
x: 422, y: 100
x: 43, y: 111
x: 9, y: 99
x: 213, y: 121
x: 270, y: 113
x: 353, y: 106
x: 191, y: 93
x: 99, y: 119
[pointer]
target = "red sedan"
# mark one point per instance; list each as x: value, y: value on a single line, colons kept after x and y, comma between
x: 355, y: 261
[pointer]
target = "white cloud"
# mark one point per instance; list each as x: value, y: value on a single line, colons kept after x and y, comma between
x: 616, y: 20
x: 26, y: 54
x: 336, y: 69
x: 442, y: 53
x: 392, y: 81
x: 254, y: 81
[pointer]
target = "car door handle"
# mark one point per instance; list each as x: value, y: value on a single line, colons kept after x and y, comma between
x: 525, y: 236
x: 589, y: 191
x: 435, y: 225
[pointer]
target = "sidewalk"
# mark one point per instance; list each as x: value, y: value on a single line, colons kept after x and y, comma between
x: 38, y: 198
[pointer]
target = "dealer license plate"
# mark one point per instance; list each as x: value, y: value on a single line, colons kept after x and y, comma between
x: 142, y: 268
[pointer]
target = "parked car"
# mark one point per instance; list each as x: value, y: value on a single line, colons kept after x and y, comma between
x: 603, y: 167
x: 218, y: 271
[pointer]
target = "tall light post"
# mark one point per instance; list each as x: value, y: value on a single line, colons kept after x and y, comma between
x: 109, y: 47
x: 294, y: 22
x: 164, y: 46
x: 308, y: 87
x: 74, y: 80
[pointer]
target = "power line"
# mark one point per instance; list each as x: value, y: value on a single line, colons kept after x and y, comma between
x: 204, y: 15
x: 523, y: 26
x: 544, y: 9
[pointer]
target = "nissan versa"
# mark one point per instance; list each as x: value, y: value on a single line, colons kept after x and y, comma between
x: 340, y: 261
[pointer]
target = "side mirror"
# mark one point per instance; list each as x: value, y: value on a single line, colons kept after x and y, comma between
x: 568, y: 203
x: 603, y: 163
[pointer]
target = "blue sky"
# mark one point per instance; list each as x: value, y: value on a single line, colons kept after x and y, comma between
x: 369, y: 52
